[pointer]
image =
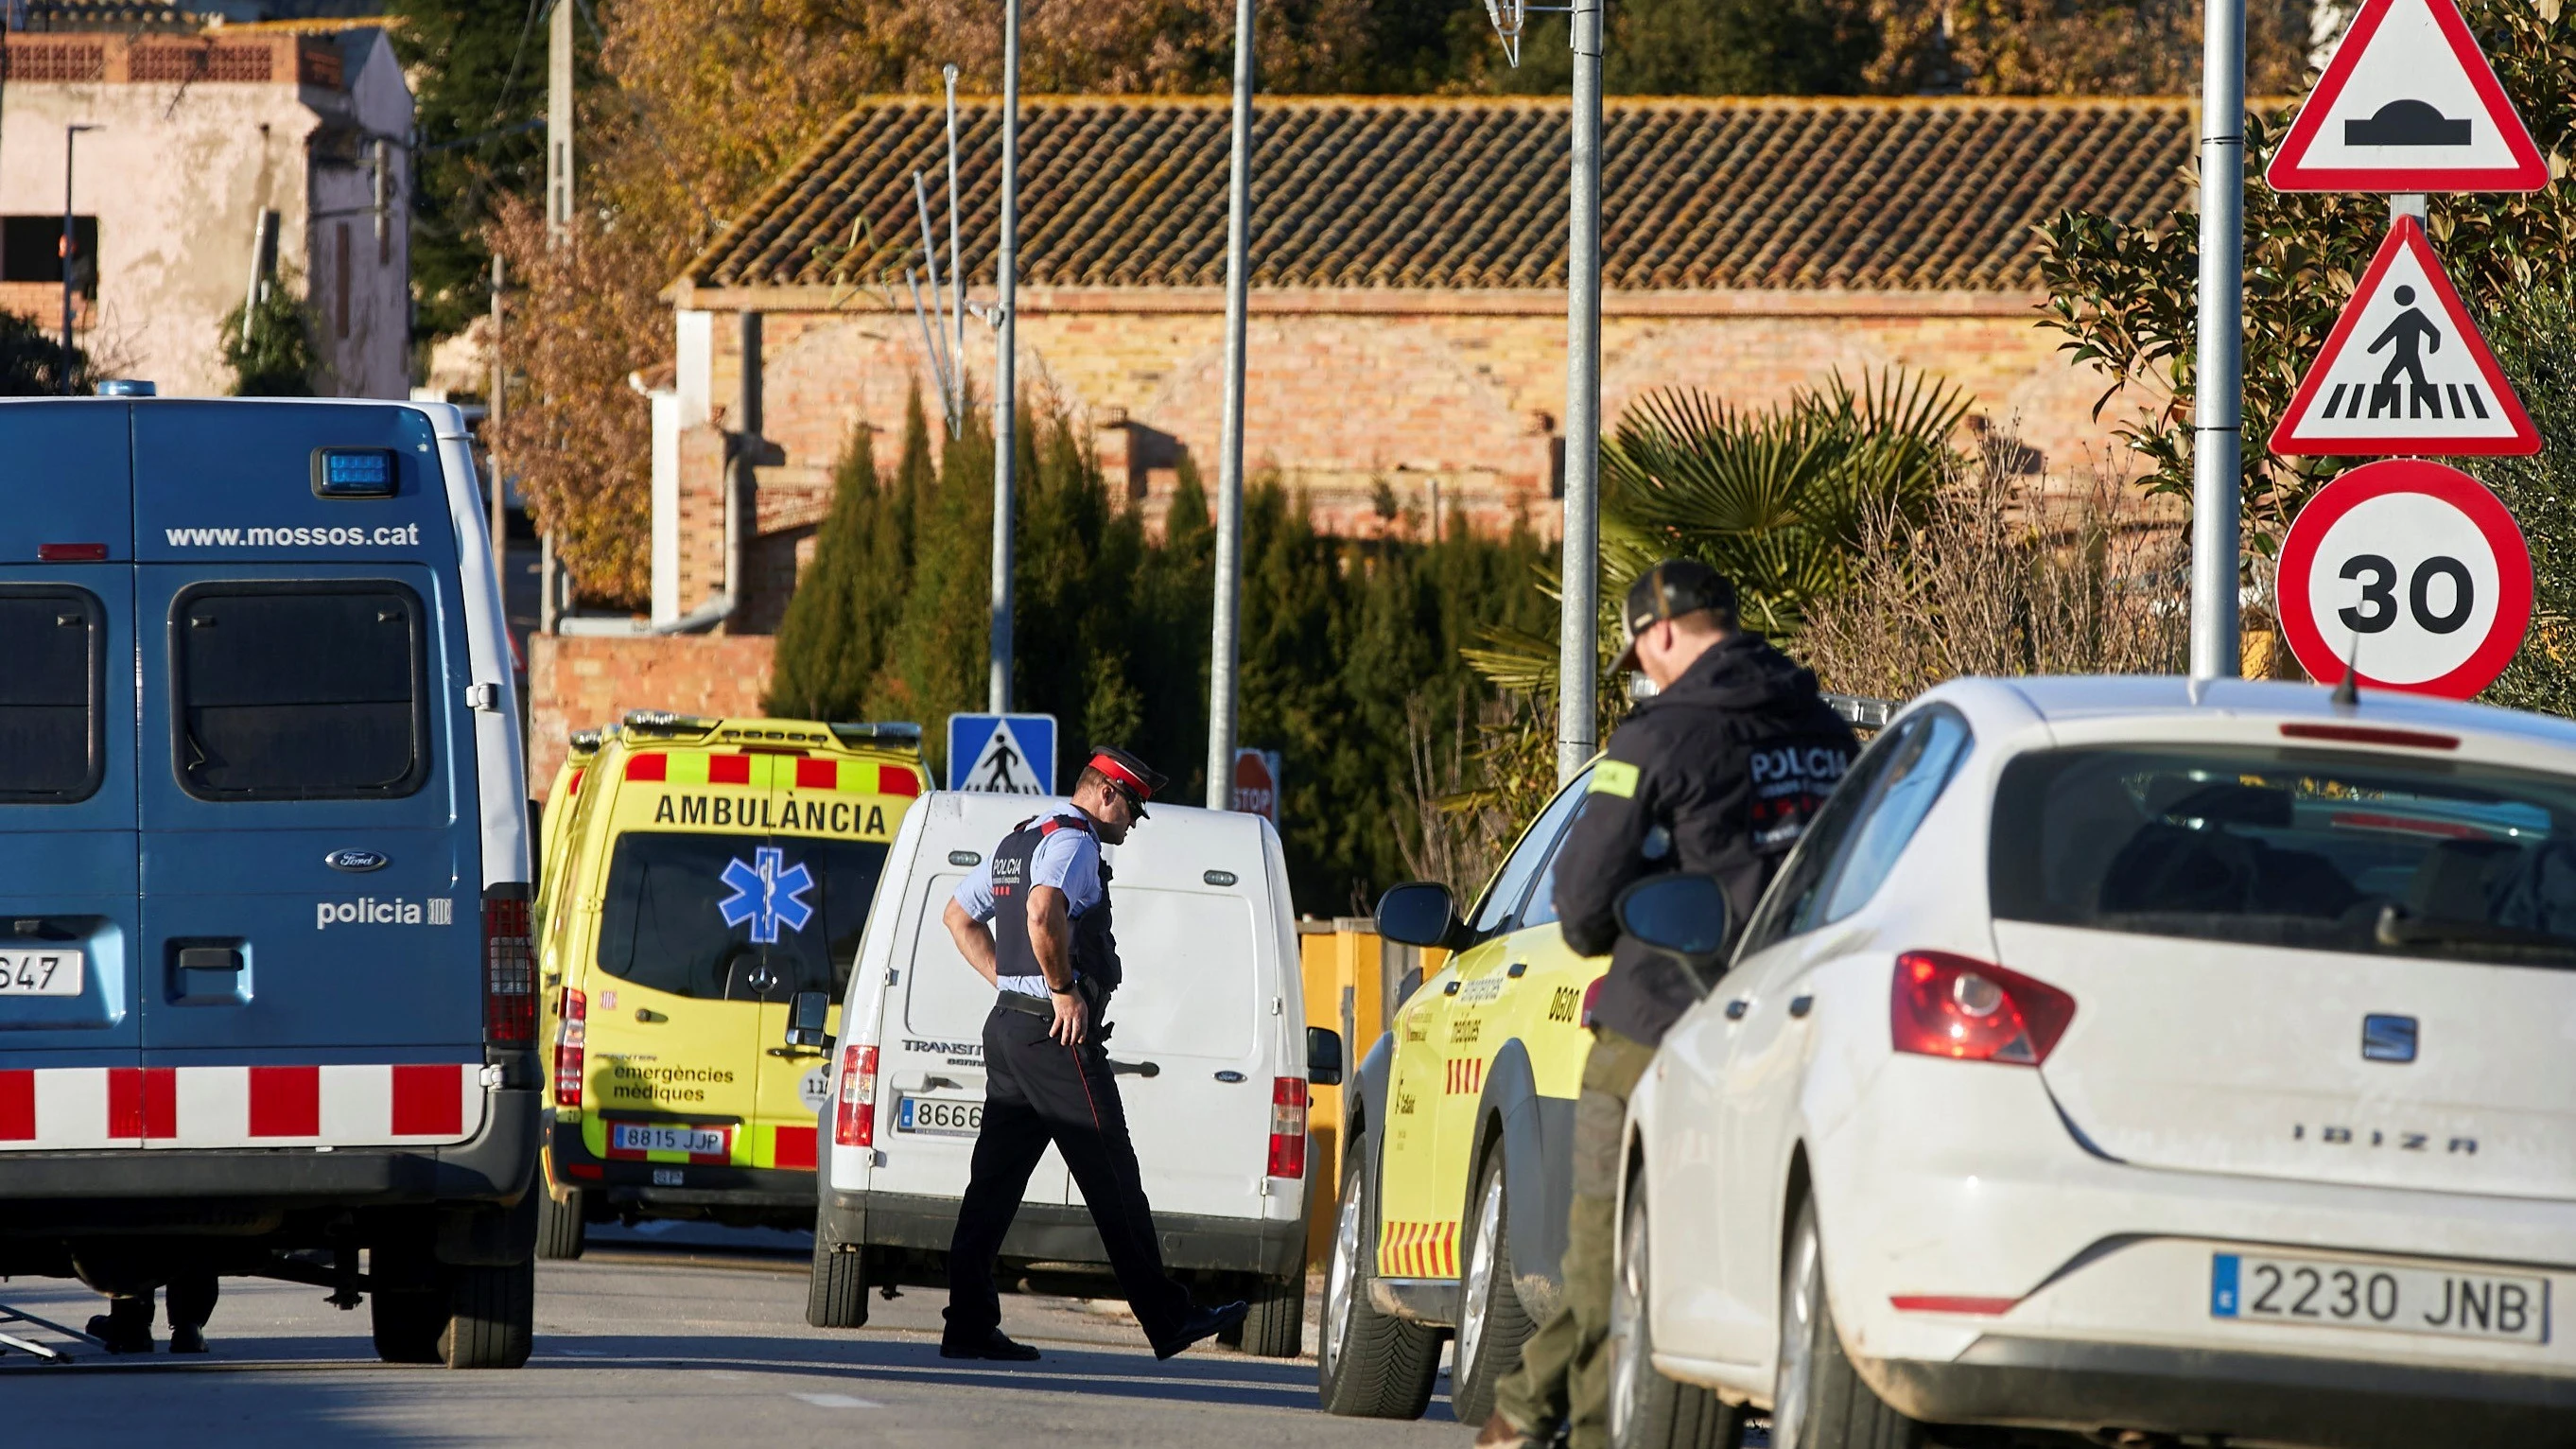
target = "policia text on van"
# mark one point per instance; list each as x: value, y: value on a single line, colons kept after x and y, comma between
x: 261, y: 802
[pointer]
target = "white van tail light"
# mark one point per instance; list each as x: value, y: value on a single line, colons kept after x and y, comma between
x: 1288, y: 1127
x: 510, y: 970
x: 1972, y: 1011
x: 572, y: 1031
x: 854, y: 1119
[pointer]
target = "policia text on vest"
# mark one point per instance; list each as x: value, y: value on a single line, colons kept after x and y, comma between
x: 1034, y: 920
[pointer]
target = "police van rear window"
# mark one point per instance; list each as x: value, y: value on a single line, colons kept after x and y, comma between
x: 736, y: 917
x: 300, y: 691
x: 51, y: 714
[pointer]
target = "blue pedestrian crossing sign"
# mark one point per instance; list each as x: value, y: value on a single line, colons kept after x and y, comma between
x: 1003, y: 754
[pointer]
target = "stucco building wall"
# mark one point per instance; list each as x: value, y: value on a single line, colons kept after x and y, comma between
x: 177, y: 174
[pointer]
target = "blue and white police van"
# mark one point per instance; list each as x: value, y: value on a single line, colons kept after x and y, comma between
x: 266, y: 993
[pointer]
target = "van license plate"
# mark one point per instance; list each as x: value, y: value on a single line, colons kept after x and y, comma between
x: 645, y: 1137
x: 40, y: 973
x: 2346, y: 1293
x: 939, y: 1116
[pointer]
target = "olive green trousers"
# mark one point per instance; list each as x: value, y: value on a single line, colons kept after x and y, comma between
x: 1564, y: 1377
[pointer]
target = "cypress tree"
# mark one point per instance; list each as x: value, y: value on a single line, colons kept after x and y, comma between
x: 934, y: 663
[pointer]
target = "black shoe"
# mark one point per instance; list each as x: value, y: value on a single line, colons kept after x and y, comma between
x: 993, y: 1345
x: 1203, y: 1323
x: 118, y: 1337
x: 187, y: 1338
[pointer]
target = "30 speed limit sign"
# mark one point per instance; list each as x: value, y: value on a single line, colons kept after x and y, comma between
x: 2411, y: 575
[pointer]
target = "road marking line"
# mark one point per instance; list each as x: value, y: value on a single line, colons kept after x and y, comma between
x: 837, y: 1401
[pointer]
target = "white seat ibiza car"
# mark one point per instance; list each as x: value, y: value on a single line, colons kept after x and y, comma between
x: 2127, y: 1060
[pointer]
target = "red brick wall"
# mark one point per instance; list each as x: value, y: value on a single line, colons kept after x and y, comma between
x: 575, y: 683
x: 1350, y: 390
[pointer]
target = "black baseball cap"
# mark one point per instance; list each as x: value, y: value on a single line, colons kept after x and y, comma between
x: 1670, y: 589
x: 1133, y: 777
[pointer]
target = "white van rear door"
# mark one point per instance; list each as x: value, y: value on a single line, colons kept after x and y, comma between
x: 930, y: 1055
x: 1195, y: 1007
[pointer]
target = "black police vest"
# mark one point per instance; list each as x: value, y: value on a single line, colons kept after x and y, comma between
x: 1095, y: 949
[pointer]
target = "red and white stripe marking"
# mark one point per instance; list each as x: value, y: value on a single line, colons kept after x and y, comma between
x: 61, y: 1109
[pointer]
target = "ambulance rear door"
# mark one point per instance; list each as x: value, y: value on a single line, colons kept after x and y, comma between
x: 832, y: 823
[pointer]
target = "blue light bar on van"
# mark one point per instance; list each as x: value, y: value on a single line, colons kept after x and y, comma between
x: 354, y: 472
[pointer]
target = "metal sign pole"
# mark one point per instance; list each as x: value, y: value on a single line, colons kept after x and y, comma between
x: 1006, y: 394
x: 1223, y: 646
x: 2217, y: 462
x: 1578, y: 614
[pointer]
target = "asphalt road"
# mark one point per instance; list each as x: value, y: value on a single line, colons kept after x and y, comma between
x: 666, y: 1339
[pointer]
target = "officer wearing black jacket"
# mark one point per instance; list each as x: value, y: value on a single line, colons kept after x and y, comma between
x: 1719, y: 773
x: 1050, y: 954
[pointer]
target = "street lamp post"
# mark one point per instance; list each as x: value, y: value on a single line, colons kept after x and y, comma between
x: 1226, y: 646
x: 67, y: 249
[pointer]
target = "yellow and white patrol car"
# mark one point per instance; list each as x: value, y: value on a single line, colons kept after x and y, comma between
x: 1459, y: 1167
x: 706, y: 883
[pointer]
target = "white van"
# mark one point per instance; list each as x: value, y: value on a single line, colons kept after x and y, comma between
x: 1206, y: 1041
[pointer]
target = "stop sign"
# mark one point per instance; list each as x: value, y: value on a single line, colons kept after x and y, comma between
x: 1256, y: 782
x: 2411, y: 575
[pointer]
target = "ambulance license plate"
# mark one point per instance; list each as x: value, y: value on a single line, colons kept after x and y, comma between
x: 647, y: 1137
x: 40, y: 973
x: 939, y: 1116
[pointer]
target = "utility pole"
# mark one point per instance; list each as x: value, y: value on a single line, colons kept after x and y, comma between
x: 492, y: 428
x: 1578, y: 659
x: 69, y: 250
x: 956, y: 269
x: 1224, y: 646
x: 1006, y: 395
x: 2217, y: 457
x: 559, y: 122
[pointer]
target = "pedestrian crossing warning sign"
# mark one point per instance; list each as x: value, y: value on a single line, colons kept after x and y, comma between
x: 2407, y: 103
x: 2405, y: 371
x: 1003, y: 754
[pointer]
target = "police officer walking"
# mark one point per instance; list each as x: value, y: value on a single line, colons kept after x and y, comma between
x: 1719, y: 773
x: 1034, y: 921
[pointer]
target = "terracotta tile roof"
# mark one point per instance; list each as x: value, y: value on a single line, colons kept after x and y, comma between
x: 1912, y: 195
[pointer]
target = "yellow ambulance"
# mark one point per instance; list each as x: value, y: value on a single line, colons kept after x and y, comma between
x: 705, y: 887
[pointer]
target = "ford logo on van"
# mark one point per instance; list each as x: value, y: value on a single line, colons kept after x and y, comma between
x: 355, y: 861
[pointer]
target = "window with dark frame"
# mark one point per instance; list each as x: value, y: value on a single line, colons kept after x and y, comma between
x: 52, y: 710
x: 31, y: 250
x: 300, y: 691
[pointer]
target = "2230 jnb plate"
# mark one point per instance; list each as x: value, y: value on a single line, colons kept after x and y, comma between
x: 52, y: 972
x: 2359, y: 1293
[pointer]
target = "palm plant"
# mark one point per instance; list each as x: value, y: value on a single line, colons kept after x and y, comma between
x: 1776, y: 499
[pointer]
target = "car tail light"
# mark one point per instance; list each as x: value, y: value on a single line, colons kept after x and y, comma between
x: 1591, y: 994
x: 509, y: 972
x: 1954, y: 1006
x: 571, y: 1032
x: 854, y: 1120
x: 1288, y: 1127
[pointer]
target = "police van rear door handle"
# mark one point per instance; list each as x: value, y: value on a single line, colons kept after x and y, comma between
x: 1135, y: 1069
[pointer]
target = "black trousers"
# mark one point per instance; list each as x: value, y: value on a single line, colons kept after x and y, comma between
x: 1039, y: 1091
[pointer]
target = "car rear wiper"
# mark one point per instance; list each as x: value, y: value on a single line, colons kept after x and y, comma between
x: 2398, y: 929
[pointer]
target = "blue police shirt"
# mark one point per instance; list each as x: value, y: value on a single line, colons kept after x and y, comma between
x: 1068, y: 860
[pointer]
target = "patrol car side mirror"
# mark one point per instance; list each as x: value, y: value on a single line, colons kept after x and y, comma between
x: 1417, y: 913
x: 1683, y: 916
x: 807, y: 1013
x: 1323, y: 1057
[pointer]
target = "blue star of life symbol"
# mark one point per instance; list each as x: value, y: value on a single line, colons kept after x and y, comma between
x: 766, y: 895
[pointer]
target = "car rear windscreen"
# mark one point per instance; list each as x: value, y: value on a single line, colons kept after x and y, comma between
x: 736, y: 917
x: 2305, y: 849
x: 300, y: 691
x: 50, y: 689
